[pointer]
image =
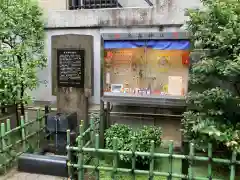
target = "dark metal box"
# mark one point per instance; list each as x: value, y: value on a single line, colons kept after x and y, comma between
x: 61, y: 122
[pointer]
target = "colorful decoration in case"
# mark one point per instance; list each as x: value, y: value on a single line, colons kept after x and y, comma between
x: 109, y: 54
x: 108, y: 59
x: 165, y: 88
x: 163, y: 63
x: 122, y: 57
x: 186, y: 58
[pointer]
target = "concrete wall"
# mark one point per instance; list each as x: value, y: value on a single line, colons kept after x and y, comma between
x: 44, y: 92
x: 133, y: 3
x: 63, y: 4
x: 48, y: 5
x: 168, y: 13
x: 165, y: 16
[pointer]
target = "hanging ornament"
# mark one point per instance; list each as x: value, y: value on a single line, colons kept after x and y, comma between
x: 163, y: 63
x: 108, y: 59
x: 185, y: 58
x: 109, y: 54
x: 134, y: 67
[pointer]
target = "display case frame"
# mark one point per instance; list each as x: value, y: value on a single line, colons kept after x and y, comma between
x: 153, y: 101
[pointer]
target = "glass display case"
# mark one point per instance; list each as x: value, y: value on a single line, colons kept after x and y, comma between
x: 144, y: 80
x: 153, y: 69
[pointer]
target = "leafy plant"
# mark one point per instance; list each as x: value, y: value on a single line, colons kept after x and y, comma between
x: 143, y: 136
x: 21, y: 49
x: 122, y: 132
x: 213, y: 102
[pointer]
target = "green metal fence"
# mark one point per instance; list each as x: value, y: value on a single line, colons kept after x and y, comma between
x: 92, y: 147
x: 26, y: 137
x: 23, y: 138
x: 14, y: 142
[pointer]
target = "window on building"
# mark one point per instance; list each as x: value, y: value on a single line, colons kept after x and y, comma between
x: 93, y: 4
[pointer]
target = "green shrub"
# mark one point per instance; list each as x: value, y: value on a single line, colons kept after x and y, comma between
x: 144, y: 137
x: 124, y: 133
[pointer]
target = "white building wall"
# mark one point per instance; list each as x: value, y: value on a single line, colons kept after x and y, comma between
x: 133, y: 3
x: 164, y: 13
x: 44, y: 91
x: 63, y: 4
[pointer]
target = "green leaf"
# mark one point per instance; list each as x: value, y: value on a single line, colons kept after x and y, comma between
x: 124, y: 133
x: 21, y: 49
x: 213, y: 101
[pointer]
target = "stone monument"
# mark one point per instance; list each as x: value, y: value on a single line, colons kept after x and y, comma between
x: 72, y: 68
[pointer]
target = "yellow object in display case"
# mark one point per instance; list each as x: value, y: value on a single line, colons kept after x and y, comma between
x: 162, y: 63
x: 165, y: 88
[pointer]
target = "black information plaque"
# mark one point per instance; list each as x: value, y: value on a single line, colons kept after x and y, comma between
x: 70, y: 68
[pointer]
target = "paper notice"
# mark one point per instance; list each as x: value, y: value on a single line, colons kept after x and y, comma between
x: 108, y: 78
x: 175, y: 85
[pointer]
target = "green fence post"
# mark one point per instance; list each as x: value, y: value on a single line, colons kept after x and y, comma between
x: 81, y: 130
x: 185, y: 161
x: 80, y: 154
x: 9, y: 129
x: 26, y: 121
x: 69, y: 163
x: 102, y: 124
x: 92, y: 129
x: 42, y: 124
x: 26, y: 116
x: 3, y: 135
x: 170, y: 160
x: 115, y: 159
x: 209, y: 160
x: 3, y: 144
x: 233, y: 163
x: 9, y: 140
x: 191, y: 157
x: 133, y: 157
x: 97, y: 156
x: 151, y: 161
x: 23, y: 133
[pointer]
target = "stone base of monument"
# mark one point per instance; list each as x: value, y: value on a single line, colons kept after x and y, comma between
x: 43, y: 164
x: 52, y: 160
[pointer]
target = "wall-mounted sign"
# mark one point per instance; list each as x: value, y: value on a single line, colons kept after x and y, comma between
x: 144, y: 35
x: 122, y: 57
x: 70, y: 68
x: 175, y: 85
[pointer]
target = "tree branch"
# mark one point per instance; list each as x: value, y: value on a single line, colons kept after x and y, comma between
x: 19, y: 58
x: 8, y: 43
x: 235, y: 85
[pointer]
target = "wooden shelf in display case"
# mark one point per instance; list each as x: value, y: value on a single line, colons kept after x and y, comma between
x: 153, y: 101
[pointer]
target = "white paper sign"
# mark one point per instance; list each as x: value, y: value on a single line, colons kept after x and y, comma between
x: 175, y: 85
x: 108, y: 78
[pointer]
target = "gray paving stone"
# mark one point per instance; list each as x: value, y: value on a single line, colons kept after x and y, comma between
x: 15, y: 175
